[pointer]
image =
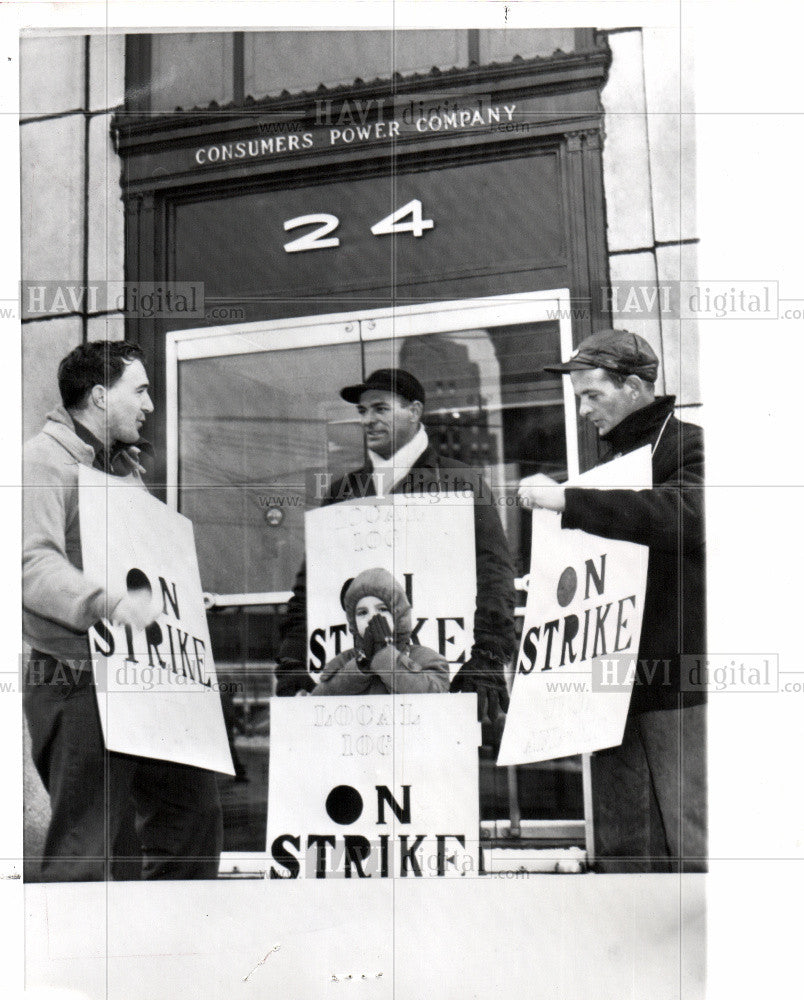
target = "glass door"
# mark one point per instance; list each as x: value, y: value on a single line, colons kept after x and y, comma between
x: 490, y: 405
x: 255, y: 414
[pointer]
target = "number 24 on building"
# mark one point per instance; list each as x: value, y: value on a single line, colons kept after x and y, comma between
x: 407, y: 219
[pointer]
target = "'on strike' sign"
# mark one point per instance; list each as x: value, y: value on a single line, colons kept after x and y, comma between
x: 586, y: 597
x: 157, y: 688
x: 426, y: 542
x: 381, y: 786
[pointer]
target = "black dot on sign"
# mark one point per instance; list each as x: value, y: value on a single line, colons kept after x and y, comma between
x: 344, y: 804
x: 137, y: 580
x: 567, y: 585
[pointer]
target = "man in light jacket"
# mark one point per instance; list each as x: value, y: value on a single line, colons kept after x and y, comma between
x: 94, y: 794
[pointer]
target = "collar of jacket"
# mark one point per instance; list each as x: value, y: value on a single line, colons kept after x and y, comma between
x: 640, y: 427
x: 59, y: 425
x: 429, y: 459
x: 88, y: 437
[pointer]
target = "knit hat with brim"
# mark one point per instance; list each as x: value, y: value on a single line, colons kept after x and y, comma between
x: 381, y: 584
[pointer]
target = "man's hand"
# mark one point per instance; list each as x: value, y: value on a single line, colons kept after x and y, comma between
x: 541, y: 491
x: 292, y: 678
x: 485, y: 676
x: 135, y: 609
x: 376, y: 637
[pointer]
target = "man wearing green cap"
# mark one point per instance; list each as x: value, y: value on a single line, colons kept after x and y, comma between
x: 649, y: 793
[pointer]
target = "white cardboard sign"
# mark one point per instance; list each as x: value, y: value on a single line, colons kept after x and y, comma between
x: 157, y: 689
x: 382, y: 786
x: 582, y: 625
x: 426, y: 542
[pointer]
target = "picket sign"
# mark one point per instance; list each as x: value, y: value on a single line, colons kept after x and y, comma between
x: 580, y: 636
x: 158, y: 693
x: 427, y: 542
x: 382, y: 786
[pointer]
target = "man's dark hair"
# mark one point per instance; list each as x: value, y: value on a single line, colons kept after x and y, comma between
x: 99, y: 362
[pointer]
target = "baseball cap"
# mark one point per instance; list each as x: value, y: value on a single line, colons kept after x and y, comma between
x: 615, y: 350
x: 395, y: 380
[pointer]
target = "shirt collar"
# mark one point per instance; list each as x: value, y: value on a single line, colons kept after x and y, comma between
x: 88, y: 437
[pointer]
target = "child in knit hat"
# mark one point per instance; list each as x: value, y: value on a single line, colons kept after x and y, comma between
x: 384, y: 660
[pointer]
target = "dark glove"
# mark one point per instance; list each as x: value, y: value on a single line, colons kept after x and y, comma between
x: 376, y: 637
x: 484, y: 675
x: 291, y: 677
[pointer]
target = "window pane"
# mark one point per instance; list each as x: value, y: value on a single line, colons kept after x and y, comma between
x: 252, y: 429
x: 191, y: 70
x: 502, y: 46
x: 301, y: 60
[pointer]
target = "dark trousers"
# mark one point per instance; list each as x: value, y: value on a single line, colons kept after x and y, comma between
x: 649, y: 795
x: 106, y: 804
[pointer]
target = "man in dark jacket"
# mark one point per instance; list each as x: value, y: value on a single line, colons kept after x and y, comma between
x: 402, y: 460
x: 650, y: 792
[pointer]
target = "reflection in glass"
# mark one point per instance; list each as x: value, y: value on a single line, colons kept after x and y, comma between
x: 490, y: 405
x: 253, y: 431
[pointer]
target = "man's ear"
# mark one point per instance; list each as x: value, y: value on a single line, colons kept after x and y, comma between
x: 97, y: 396
x: 416, y: 408
x: 634, y: 383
